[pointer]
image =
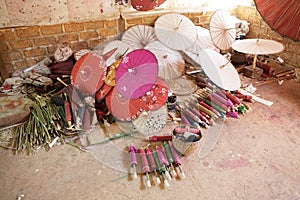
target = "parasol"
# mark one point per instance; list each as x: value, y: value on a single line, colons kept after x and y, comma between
x: 176, y: 31
x: 170, y: 62
x: 151, y: 122
x: 258, y: 47
x: 203, y: 42
x: 143, y: 5
x: 121, y: 108
x: 136, y: 73
x: 122, y: 49
x: 219, y: 70
x: 281, y: 15
x: 181, y: 86
x: 88, y: 73
x: 139, y: 36
x: 156, y: 97
x: 222, y: 29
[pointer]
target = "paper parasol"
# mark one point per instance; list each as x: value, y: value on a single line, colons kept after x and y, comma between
x: 176, y: 31
x: 139, y: 36
x: 219, y: 70
x: 181, y: 86
x: 122, y: 108
x: 137, y: 73
x: 203, y: 42
x: 258, y: 47
x: 170, y: 62
x: 122, y: 49
x: 222, y: 29
x: 281, y: 15
x: 143, y: 5
x: 88, y: 73
x: 149, y: 123
x: 155, y: 98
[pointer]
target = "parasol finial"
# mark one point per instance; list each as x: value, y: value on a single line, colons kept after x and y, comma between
x: 177, y: 27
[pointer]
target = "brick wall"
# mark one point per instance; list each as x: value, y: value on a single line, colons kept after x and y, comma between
x: 21, y: 47
x: 258, y: 28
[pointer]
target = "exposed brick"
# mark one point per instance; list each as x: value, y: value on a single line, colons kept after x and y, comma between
x: 291, y: 47
x: 150, y: 19
x: 27, y: 32
x: 45, y: 40
x: 108, y: 32
x: 94, y: 43
x: 78, y: 46
x: 7, y: 34
x: 73, y: 27
x: 94, y: 25
x: 24, y: 63
x: 51, y: 49
x: 9, y: 68
x: 110, y: 23
x: 68, y: 37
x: 20, y: 44
x: 34, y: 52
x: 11, y: 56
x: 88, y: 35
x: 51, y: 29
x: 135, y: 21
x: 3, y: 46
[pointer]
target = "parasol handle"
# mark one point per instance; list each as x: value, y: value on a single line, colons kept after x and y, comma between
x: 254, y: 60
x: 177, y: 27
x: 222, y: 66
x: 61, y: 81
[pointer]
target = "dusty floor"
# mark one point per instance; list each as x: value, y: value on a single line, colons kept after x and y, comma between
x: 256, y: 157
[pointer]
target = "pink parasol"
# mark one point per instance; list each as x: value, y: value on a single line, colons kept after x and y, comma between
x: 155, y: 98
x: 139, y: 36
x: 176, y: 31
x: 88, y: 73
x: 122, y: 108
x: 137, y: 73
x: 281, y: 15
x: 170, y: 62
x: 222, y: 29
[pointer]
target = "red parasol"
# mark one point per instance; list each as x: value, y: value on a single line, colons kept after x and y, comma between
x: 122, y: 108
x: 143, y: 5
x: 156, y: 97
x: 137, y: 73
x: 88, y: 73
x: 281, y: 15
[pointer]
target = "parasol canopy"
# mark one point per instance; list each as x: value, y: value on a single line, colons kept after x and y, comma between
x: 181, y: 86
x: 170, y: 62
x: 176, y: 31
x: 257, y: 47
x: 122, y: 108
x: 219, y: 70
x: 156, y: 97
x: 122, y: 49
x: 137, y: 73
x: 222, y: 29
x: 281, y: 15
x: 145, y: 5
x: 88, y: 73
x: 139, y: 36
x: 149, y: 123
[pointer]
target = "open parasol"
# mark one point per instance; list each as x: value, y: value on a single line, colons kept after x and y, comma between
x: 181, y: 86
x: 222, y: 29
x: 281, y: 15
x: 219, y: 70
x: 170, y: 62
x: 88, y: 73
x: 149, y: 123
x: 122, y: 49
x: 176, y: 31
x: 154, y: 98
x: 258, y: 47
x: 137, y: 73
x: 203, y: 42
x: 122, y: 108
x: 139, y: 36
x: 143, y: 5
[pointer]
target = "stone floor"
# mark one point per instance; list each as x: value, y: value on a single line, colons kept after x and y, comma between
x: 257, y: 157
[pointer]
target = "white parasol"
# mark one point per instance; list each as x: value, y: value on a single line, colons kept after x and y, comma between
x: 203, y: 42
x: 176, y: 31
x: 122, y: 49
x: 258, y: 47
x: 222, y: 29
x: 151, y: 122
x: 170, y: 62
x: 219, y: 70
x: 139, y: 36
x: 181, y: 86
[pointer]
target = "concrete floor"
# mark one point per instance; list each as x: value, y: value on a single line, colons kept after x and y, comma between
x: 256, y: 157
